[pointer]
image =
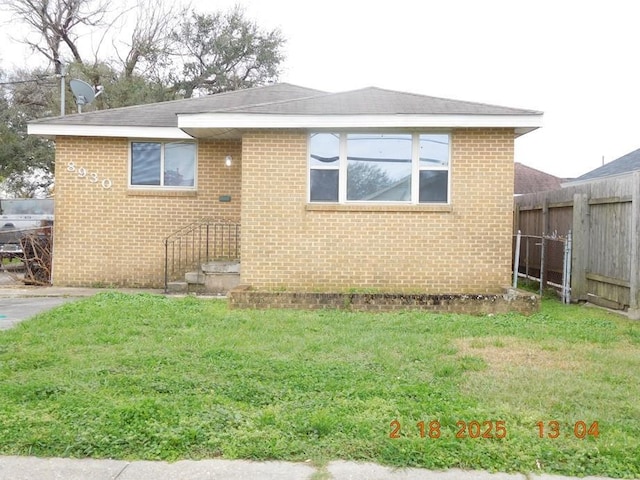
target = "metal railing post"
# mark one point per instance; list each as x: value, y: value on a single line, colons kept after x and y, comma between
x: 208, y: 257
x: 166, y: 265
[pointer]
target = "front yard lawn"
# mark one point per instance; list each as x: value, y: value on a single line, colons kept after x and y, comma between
x: 149, y: 377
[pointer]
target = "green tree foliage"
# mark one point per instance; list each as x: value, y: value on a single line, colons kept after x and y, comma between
x: 226, y: 51
x: 26, y: 162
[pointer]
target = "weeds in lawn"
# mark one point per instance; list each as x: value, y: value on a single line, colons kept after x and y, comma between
x: 142, y: 376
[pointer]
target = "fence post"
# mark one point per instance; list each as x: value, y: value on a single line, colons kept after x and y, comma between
x: 526, y: 257
x: 580, y: 246
x: 516, y: 261
x: 566, y: 269
x: 634, y: 281
x: 545, y: 231
x: 543, y: 275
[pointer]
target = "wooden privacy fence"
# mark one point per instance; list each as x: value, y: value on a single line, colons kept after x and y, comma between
x: 604, y: 219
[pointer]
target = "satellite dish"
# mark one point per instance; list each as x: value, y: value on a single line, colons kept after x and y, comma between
x: 84, y: 93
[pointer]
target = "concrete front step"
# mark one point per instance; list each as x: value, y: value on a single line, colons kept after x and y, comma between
x: 222, y: 266
x: 177, y: 287
x: 194, y: 278
x: 215, y: 278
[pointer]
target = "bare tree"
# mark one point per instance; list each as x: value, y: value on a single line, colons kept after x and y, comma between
x: 152, y: 40
x: 201, y: 53
x: 55, y: 22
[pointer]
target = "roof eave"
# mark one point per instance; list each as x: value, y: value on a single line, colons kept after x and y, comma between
x: 54, y: 130
x: 193, y: 122
x: 195, y: 125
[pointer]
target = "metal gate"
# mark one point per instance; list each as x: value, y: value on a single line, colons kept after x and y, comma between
x: 544, y: 259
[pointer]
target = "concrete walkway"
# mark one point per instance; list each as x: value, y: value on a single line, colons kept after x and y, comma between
x: 22, y: 291
x: 21, y: 303
x: 17, y: 303
x: 31, y: 468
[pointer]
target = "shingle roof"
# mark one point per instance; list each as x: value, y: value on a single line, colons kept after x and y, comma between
x: 530, y: 180
x: 164, y: 114
x: 625, y: 164
x: 377, y: 101
x: 284, y: 99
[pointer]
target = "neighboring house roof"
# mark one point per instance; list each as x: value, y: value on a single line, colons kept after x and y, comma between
x: 530, y: 180
x: 626, y: 164
x: 286, y: 106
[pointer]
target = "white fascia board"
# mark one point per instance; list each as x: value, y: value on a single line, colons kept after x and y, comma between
x: 55, y: 130
x: 258, y: 121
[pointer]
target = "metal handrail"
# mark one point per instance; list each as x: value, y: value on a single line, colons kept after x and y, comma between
x: 199, y: 242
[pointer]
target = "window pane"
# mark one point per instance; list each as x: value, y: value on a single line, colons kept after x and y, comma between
x: 324, y: 185
x: 324, y: 149
x: 179, y: 164
x: 145, y: 163
x: 434, y: 150
x: 433, y: 186
x: 379, y: 167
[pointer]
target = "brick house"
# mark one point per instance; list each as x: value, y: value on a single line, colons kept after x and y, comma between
x: 370, y: 189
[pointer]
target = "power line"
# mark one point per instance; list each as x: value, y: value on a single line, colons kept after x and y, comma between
x: 18, y: 82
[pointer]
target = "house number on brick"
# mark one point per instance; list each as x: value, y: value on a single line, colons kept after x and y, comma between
x: 91, y: 176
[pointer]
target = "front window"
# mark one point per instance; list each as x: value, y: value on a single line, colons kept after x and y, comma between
x: 324, y: 164
x: 382, y: 167
x: 163, y: 164
x: 434, y: 168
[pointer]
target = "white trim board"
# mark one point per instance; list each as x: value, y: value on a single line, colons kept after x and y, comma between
x: 239, y: 121
x: 523, y: 123
x: 53, y: 130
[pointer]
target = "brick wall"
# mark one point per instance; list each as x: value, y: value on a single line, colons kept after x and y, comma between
x: 461, y: 248
x: 115, y: 236
x: 474, y: 304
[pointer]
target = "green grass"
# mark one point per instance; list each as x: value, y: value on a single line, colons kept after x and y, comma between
x: 149, y: 377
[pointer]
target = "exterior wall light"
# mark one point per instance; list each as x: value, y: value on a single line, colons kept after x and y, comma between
x: 228, y: 160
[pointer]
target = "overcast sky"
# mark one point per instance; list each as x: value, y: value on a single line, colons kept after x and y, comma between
x: 577, y: 61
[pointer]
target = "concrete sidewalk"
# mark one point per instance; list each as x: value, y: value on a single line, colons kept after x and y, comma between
x: 31, y: 468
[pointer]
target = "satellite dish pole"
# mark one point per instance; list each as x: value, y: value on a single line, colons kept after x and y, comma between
x: 63, y: 87
x: 84, y: 93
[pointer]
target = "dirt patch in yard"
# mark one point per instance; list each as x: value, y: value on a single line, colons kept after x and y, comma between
x: 507, y: 353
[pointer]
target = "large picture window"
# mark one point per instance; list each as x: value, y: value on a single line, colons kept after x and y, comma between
x: 380, y: 167
x: 163, y: 164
